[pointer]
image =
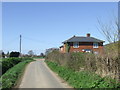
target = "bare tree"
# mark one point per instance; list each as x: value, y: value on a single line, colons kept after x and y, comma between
x: 31, y: 53
x: 41, y: 54
x: 110, y: 30
x: 7, y: 54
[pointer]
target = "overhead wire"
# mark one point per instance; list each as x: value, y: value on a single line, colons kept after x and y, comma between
x: 26, y: 38
x: 11, y: 41
x: 36, y: 40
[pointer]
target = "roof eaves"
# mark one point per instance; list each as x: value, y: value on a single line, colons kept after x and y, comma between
x: 68, y: 39
x: 98, y: 39
x: 94, y: 40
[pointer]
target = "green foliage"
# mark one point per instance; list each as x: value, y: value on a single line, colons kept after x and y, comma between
x: 112, y: 49
x: 103, y: 65
x: 14, y: 54
x: 72, y: 60
x: 76, y: 61
x: 7, y: 63
x: 11, y: 76
x: 67, y: 47
x: 3, y: 55
x: 83, y: 79
x: 90, y: 62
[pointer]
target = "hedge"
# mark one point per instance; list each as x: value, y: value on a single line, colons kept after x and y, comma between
x: 10, y: 78
x: 83, y: 79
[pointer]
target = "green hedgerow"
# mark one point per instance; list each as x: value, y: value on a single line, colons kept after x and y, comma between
x: 11, y: 76
x: 83, y: 79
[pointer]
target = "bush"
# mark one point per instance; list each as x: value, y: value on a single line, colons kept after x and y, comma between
x: 71, y: 60
x: 11, y: 76
x: 7, y: 63
x: 90, y: 62
x: 103, y: 65
x: 3, y: 55
x: 14, y: 54
x: 83, y: 79
x: 76, y: 61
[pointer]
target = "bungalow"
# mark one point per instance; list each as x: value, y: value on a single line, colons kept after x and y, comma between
x: 82, y: 44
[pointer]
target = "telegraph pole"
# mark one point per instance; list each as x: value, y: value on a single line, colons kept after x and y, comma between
x: 20, y: 45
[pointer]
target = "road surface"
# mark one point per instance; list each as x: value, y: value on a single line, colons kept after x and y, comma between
x: 38, y: 75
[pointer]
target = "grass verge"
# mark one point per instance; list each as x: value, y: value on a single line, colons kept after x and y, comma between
x: 10, y: 78
x: 83, y: 79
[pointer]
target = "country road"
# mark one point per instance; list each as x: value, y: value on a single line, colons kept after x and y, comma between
x: 38, y: 75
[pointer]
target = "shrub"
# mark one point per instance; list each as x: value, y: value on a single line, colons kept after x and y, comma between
x: 72, y: 60
x: 83, y: 79
x: 14, y: 54
x: 103, y: 65
x: 3, y: 55
x: 7, y: 63
x: 11, y: 76
x: 90, y: 62
x: 76, y: 60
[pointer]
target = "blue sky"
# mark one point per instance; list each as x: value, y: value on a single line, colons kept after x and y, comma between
x: 46, y: 24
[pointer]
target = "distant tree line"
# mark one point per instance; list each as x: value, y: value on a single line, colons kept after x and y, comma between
x: 17, y: 54
x: 12, y: 54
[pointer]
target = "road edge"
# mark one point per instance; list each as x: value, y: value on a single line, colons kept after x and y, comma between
x: 18, y: 82
x: 58, y: 77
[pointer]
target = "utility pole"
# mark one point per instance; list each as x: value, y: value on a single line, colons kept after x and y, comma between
x: 20, y: 44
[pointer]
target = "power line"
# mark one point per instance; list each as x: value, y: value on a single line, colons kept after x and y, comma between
x: 11, y: 41
x: 21, y: 38
x: 35, y: 40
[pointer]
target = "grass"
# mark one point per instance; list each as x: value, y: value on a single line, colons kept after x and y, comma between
x: 0, y: 66
x: 83, y: 79
x: 9, y: 79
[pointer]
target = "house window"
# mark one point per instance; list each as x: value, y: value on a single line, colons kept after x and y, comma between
x: 95, y: 45
x: 76, y: 44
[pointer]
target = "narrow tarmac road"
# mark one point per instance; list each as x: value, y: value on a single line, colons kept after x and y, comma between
x: 38, y: 75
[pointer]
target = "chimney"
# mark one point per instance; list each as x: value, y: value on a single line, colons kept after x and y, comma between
x: 88, y: 34
x: 74, y: 36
